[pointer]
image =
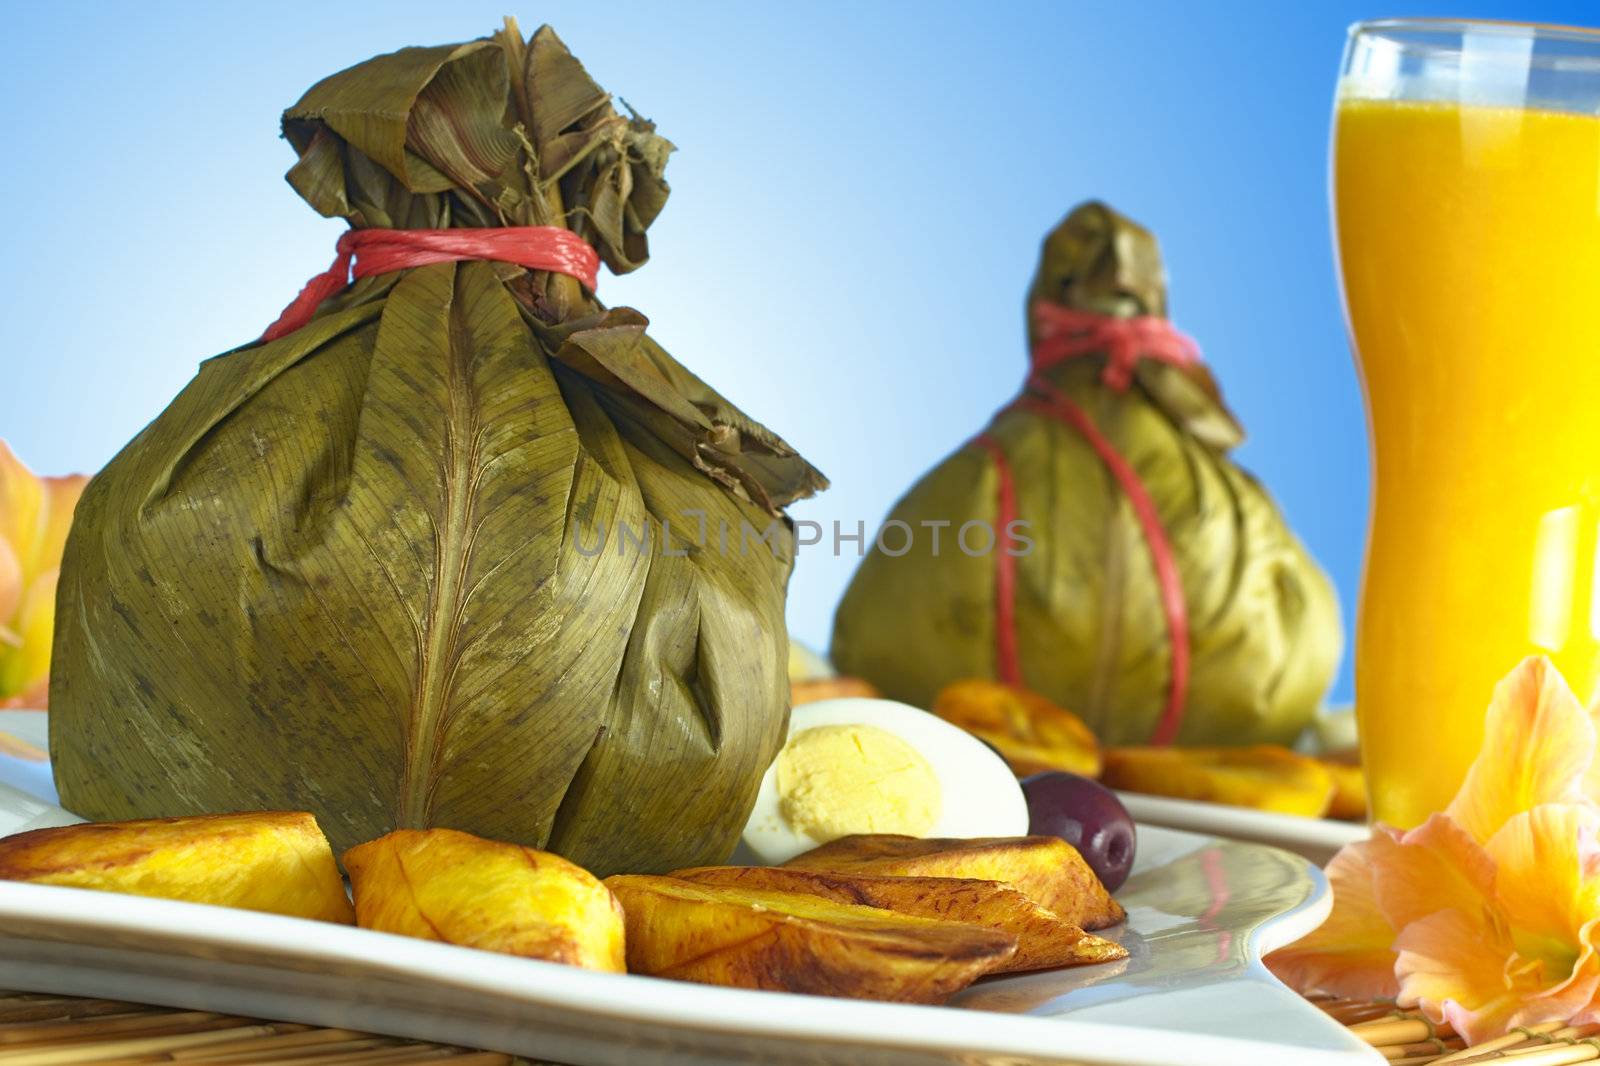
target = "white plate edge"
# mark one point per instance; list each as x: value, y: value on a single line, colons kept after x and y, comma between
x: 677, y: 1005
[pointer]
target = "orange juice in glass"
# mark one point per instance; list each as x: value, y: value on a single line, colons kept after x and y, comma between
x: 1466, y: 186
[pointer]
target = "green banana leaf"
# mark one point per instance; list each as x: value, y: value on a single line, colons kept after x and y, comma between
x: 355, y: 570
x: 1264, y: 624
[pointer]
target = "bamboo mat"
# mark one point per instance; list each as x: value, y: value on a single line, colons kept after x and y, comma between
x: 1406, y: 1038
x: 43, y: 1030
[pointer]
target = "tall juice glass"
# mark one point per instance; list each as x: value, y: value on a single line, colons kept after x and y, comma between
x: 1466, y: 184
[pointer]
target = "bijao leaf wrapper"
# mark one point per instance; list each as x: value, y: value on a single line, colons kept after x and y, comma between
x: 342, y: 571
x: 1263, y: 618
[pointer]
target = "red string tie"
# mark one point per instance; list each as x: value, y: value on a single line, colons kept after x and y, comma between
x: 1062, y: 333
x: 363, y: 253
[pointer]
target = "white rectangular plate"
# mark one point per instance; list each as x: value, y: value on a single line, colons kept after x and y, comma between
x: 1201, y: 911
x: 1317, y: 839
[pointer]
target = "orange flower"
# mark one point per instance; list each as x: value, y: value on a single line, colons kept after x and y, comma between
x: 34, y: 516
x: 1484, y: 916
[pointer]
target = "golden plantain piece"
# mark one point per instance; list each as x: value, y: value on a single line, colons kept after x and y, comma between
x: 1045, y: 941
x: 1349, y: 800
x: 828, y: 688
x: 1265, y: 777
x: 442, y: 884
x: 1046, y: 869
x: 793, y: 942
x: 1029, y: 731
x: 273, y: 861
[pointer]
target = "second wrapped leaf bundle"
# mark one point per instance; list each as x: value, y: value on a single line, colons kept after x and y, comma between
x: 1133, y: 572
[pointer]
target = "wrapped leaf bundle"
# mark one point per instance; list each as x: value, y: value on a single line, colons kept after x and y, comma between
x: 354, y: 569
x: 1120, y: 563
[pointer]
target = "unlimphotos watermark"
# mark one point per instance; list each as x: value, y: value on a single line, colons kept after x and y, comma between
x: 974, y: 537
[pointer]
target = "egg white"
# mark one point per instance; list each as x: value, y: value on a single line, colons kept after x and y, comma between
x: 978, y: 794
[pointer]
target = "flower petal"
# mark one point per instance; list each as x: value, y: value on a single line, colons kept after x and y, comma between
x: 1548, y: 882
x: 1351, y: 953
x: 1538, y: 744
x: 35, y: 516
x: 1526, y: 955
x: 1436, y: 866
x: 21, y: 500
x: 1453, y: 966
x: 25, y: 669
x: 33, y: 699
x: 10, y: 592
x: 60, y: 500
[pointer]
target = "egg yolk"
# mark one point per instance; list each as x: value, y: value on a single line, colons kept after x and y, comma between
x: 835, y: 780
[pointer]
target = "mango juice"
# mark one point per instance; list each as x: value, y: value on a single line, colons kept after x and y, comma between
x: 1469, y: 244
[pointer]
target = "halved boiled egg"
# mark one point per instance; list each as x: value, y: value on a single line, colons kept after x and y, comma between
x: 860, y: 765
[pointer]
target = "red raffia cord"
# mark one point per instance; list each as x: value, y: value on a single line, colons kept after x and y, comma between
x: 1062, y: 333
x: 382, y: 251
x: 1007, y: 663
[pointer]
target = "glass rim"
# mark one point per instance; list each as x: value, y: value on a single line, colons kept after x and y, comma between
x: 1546, y: 31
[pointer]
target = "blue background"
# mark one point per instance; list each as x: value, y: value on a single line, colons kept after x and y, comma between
x: 858, y: 198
